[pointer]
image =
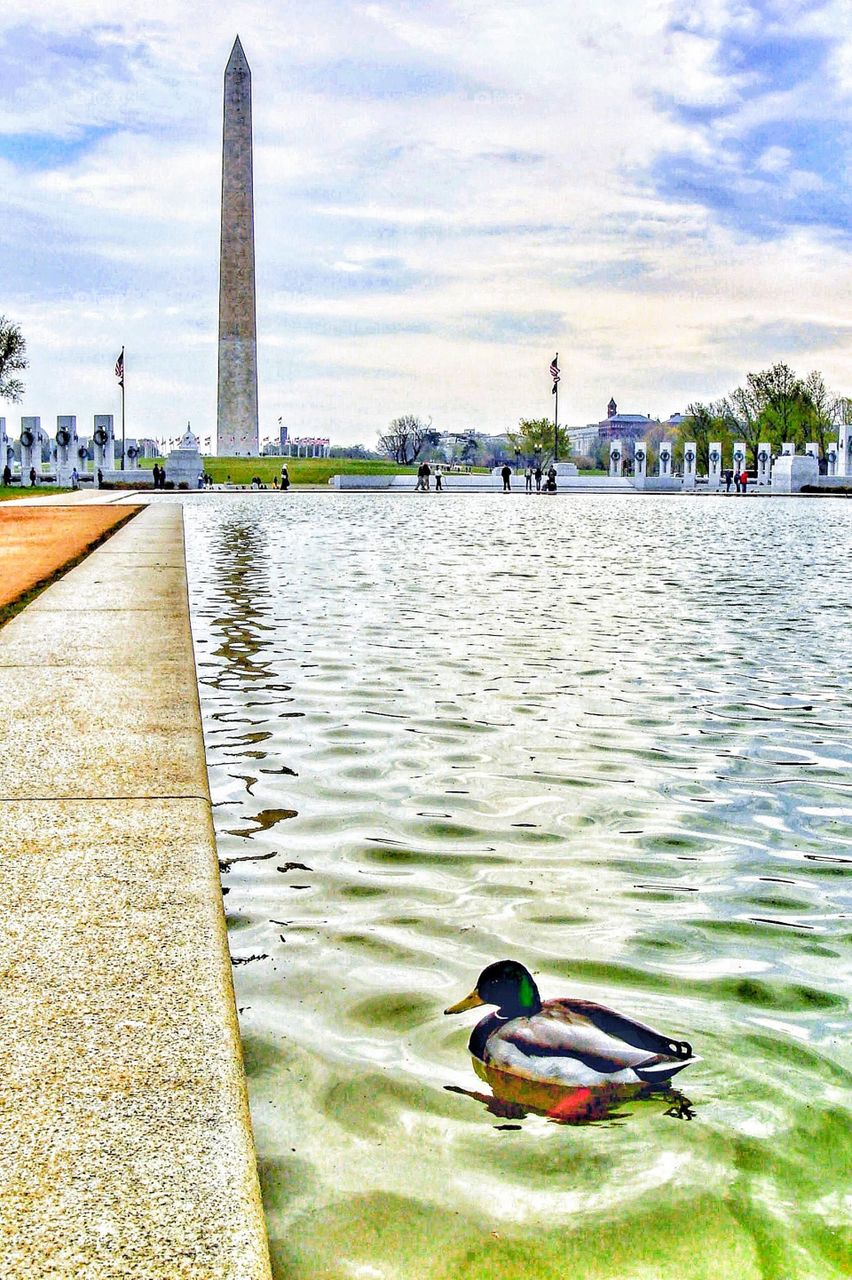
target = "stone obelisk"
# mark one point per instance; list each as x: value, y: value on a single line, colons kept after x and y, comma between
x: 236, y: 415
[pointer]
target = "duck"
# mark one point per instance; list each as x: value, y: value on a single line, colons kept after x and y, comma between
x: 562, y: 1044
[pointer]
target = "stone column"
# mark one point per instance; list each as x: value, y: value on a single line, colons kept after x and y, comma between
x: 131, y: 456
x: 812, y: 450
x: 30, y: 449
x: 844, y: 449
x: 764, y: 459
x: 664, y: 465
x: 4, y: 445
x: 104, y: 442
x: 66, y: 448
x: 640, y: 463
x: 690, y: 453
x: 236, y: 417
x: 615, y: 458
x: 714, y: 473
x: 739, y: 456
x: 787, y: 449
x: 831, y: 458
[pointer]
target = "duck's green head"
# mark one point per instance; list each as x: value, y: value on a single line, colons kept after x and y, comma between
x: 508, y: 985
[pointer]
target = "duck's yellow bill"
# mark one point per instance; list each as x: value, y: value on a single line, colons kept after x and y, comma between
x: 469, y: 1002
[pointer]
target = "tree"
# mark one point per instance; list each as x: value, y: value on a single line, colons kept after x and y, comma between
x: 405, y: 437
x: 782, y: 403
x: 743, y: 412
x: 13, y: 359
x: 703, y: 423
x: 820, y: 409
x: 534, y: 438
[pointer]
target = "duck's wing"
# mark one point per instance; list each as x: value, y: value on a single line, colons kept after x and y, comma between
x: 618, y: 1027
x: 556, y: 1033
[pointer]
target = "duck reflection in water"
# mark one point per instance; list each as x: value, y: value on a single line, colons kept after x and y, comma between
x: 571, y: 1060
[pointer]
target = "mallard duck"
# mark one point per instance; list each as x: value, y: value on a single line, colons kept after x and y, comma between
x: 563, y: 1044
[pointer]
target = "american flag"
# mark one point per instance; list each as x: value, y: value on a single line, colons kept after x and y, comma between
x: 119, y: 368
x: 554, y: 371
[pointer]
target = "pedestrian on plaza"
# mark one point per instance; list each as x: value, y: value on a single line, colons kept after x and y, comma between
x: 729, y: 480
x: 32, y: 477
x: 537, y: 474
x: 439, y: 485
x: 285, y: 478
x: 100, y: 477
x: 551, y: 479
x: 737, y: 481
x: 75, y: 478
x: 155, y: 472
x: 7, y: 475
x: 506, y: 473
x: 528, y: 479
x: 744, y: 481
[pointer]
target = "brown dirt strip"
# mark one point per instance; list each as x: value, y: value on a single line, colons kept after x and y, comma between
x: 39, y: 544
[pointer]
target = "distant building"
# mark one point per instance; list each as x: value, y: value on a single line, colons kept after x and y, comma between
x: 627, y: 427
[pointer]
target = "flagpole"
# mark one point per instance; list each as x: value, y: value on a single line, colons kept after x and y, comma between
x: 123, y: 376
x: 556, y: 415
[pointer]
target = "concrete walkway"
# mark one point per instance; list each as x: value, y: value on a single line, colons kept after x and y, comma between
x: 126, y: 1145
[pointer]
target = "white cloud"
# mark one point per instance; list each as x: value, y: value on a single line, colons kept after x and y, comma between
x: 426, y: 178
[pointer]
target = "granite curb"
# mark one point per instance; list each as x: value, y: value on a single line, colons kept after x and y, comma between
x: 127, y: 1146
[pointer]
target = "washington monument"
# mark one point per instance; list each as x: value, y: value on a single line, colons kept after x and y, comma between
x: 236, y: 414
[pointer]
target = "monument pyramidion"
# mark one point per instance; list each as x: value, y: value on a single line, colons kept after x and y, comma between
x: 236, y: 414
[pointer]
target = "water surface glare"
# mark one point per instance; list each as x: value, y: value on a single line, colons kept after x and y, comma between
x: 608, y: 736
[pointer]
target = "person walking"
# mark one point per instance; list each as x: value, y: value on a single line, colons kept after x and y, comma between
x: 528, y: 479
x: 537, y: 474
x: 729, y: 479
x: 737, y: 481
x: 155, y: 472
x: 75, y: 478
x: 744, y: 481
x: 285, y: 478
x: 32, y: 477
x: 7, y: 475
x: 506, y: 473
x: 551, y: 479
x: 439, y: 485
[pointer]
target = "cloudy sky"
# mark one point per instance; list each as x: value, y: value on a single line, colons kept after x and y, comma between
x: 446, y: 192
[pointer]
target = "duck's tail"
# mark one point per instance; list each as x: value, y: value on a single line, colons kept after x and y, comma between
x: 660, y: 1070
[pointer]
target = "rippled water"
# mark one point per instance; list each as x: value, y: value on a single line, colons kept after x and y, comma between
x: 608, y: 736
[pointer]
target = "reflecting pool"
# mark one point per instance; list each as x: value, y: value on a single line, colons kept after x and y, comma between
x: 606, y: 736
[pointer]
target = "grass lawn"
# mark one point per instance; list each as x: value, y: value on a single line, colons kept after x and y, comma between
x: 8, y: 491
x: 301, y: 470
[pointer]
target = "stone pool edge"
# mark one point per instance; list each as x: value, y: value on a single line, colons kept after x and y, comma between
x: 128, y: 1146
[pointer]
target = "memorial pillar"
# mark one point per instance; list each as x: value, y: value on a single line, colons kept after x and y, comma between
x: 844, y: 449
x: 4, y: 445
x: 739, y: 456
x: 30, y: 449
x: 104, y: 441
x: 664, y: 466
x: 831, y: 457
x: 615, y: 458
x: 66, y: 448
x: 640, y: 464
x: 690, y: 453
x: 764, y: 458
x: 714, y: 470
x: 812, y: 450
x: 131, y: 455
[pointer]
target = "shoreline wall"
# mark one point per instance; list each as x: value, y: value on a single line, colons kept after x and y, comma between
x: 127, y: 1145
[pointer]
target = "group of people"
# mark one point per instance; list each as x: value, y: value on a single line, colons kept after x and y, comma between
x: 543, y: 484
x: 424, y: 474
x: 739, y: 478
x: 159, y: 474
